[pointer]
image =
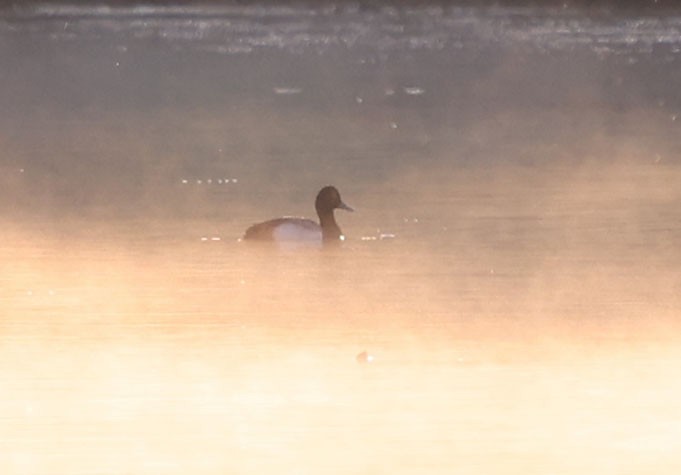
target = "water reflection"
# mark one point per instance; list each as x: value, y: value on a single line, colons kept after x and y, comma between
x: 512, y: 277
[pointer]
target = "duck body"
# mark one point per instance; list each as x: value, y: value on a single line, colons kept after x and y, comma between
x: 301, y: 230
x: 288, y: 228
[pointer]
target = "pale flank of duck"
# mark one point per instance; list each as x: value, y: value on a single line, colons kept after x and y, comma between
x: 298, y: 229
x: 301, y: 230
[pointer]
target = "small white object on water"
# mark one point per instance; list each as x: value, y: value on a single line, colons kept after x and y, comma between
x: 364, y: 357
x: 359, y: 100
x: 287, y: 91
x: 393, y: 125
x: 414, y: 91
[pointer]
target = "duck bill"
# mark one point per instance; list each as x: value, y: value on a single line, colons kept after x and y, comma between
x: 345, y: 207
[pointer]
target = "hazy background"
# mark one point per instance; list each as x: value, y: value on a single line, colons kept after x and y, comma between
x: 513, y: 264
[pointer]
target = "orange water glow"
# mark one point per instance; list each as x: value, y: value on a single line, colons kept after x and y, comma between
x: 526, y: 340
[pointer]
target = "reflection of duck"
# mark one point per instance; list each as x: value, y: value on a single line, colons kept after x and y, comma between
x: 304, y: 230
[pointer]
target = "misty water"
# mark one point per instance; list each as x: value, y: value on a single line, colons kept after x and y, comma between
x: 513, y: 264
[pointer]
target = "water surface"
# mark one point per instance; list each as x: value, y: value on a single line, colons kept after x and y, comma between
x: 512, y: 266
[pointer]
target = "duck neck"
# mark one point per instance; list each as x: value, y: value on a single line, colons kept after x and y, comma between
x: 330, y: 230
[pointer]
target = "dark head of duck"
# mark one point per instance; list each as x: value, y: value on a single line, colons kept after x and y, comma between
x: 328, y: 200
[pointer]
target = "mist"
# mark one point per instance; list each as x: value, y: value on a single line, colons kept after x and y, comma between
x: 512, y: 266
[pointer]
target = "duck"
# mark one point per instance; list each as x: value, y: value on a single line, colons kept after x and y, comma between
x: 301, y: 230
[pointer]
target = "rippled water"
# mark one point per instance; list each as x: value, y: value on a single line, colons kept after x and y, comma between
x: 512, y: 266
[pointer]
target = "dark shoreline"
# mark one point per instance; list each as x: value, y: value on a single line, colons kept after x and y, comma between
x: 596, y: 7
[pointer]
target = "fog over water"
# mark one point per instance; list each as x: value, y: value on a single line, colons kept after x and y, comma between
x: 513, y: 266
